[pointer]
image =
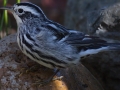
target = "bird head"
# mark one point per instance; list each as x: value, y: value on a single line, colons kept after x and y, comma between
x: 25, y: 11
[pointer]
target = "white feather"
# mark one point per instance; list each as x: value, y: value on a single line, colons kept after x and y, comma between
x: 29, y: 9
x: 18, y: 19
x: 92, y: 51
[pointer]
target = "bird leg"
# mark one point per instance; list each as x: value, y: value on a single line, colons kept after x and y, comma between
x: 41, y: 83
x: 31, y: 69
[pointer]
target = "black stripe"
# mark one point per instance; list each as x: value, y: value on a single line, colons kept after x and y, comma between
x: 29, y: 37
x: 40, y: 53
x: 26, y: 43
x: 34, y: 7
x: 20, y: 42
x: 57, y: 33
x: 30, y: 5
x: 53, y: 65
x: 49, y: 57
x: 32, y: 55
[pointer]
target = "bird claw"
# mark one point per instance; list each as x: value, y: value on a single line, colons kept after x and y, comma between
x: 58, y: 78
x: 33, y: 68
x: 21, y: 72
x: 27, y: 70
x: 42, y: 83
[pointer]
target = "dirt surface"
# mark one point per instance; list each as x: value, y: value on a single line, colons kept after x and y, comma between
x: 13, y: 75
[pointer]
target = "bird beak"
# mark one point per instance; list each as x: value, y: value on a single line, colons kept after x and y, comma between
x: 7, y: 8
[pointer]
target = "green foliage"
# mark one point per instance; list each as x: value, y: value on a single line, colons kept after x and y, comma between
x: 18, y: 1
x: 4, y: 25
x: 4, y: 19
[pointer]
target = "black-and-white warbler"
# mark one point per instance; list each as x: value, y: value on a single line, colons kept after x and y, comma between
x: 49, y: 43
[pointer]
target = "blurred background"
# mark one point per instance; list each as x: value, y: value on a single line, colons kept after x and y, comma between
x: 53, y: 9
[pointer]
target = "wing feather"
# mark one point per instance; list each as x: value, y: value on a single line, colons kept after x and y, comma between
x: 58, y: 30
x: 82, y: 41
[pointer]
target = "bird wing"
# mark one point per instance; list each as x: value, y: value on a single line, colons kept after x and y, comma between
x: 75, y: 38
x: 58, y: 30
x: 80, y: 40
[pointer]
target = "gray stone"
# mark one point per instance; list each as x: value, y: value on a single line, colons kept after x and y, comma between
x: 78, y: 13
x: 13, y: 75
x: 101, y: 18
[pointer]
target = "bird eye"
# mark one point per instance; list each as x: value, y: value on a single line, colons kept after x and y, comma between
x: 20, y: 10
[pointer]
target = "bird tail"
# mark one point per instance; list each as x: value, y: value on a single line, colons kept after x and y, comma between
x: 113, y: 46
x: 99, y: 48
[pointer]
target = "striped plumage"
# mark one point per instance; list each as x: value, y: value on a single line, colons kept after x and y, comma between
x: 43, y: 50
x: 49, y: 43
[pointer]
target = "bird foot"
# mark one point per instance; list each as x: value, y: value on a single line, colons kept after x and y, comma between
x: 27, y: 70
x: 45, y: 82
x: 57, y: 78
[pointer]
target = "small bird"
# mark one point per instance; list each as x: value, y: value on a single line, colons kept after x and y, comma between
x: 51, y: 44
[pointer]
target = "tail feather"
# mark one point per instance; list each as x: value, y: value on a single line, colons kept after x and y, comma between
x: 113, y: 46
x: 99, y: 48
